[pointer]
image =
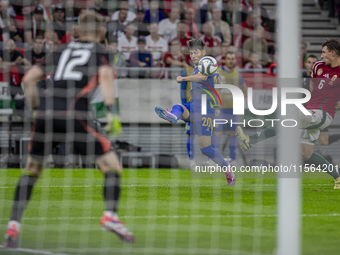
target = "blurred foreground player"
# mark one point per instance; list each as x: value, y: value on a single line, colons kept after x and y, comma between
x: 325, y: 86
x: 202, y: 125
x: 74, y: 80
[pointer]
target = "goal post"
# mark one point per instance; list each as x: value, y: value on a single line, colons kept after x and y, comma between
x: 289, y: 194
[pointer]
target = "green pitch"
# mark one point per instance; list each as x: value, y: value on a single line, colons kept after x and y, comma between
x: 169, y: 213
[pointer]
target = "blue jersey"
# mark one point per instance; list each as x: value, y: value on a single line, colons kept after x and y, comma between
x: 199, y: 88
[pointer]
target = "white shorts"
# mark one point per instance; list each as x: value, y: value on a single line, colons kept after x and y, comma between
x: 311, y: 125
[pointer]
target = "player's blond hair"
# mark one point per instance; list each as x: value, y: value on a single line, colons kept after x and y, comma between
x: 90, y: 24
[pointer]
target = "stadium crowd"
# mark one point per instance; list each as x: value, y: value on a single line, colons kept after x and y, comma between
x: 142, y: 33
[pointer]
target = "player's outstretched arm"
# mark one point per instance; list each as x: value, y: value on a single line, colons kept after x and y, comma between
x: 30, y: 86
x: 192, y: 78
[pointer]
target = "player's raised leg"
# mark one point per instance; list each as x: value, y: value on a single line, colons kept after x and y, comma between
x: 177, y: 112
x: 22, y: 195
x: 246, y: 141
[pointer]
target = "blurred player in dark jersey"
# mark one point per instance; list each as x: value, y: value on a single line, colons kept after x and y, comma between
x: 202, y: 125
x: 77, y: 68
x: 325, y: 86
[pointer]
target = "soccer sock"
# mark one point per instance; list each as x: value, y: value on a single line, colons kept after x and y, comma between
x: 215, y: 142
x: 262, y: 135
x: 177, y: 110
x: 22, y: 195
x: 333, y: 138
x: 111, y: 191
x: 214, y: 155
x: 318, y: 160
x: 190, y: 147
x: 232, y: 147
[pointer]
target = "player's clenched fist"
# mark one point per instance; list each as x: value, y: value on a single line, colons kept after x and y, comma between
x: 179, y: 79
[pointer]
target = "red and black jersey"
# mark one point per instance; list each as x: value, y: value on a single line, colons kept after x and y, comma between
x: 326, y: 90
x: 74, y: 76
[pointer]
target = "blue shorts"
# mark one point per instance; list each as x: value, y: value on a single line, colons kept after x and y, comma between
x: 226, y: 114
x: 200, y: 125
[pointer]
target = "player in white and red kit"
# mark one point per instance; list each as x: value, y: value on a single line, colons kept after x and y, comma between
x: 325, y: 82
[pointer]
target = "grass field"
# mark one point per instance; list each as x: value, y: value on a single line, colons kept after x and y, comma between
x: 169, y: 213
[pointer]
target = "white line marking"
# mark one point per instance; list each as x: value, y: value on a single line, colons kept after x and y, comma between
x: 179, y: 216
x: 165, y: 185
x: 32, y: 251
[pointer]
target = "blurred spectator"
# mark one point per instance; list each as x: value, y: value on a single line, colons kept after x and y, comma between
x: 130, y: 16
x: 221, y: 27
x: 59, y: 25
x: 102, y: 37
x: 153, y: 14
x: 204, y: 14
x: 262, y: 17
x: 140, y: 58
x: 11, y: 57
x: 37, y: 53
x: 4, y: 25
x: 175, y: 58
x: 256, y: 44
x: 127, y: 43
x: 168, y: 27
x: 73, y: 35
x: 71, y: 11
x: 51, y: 40
x: 221, y: 59
x: 228, y: 11
x: 191, y: 28
x: 117, y: 59
x: 254, y: 62
x: 331, y: 13
x: 115, y: 28
x: 35, y: 26
x: 337, y: 3
x: 304, y: 55
x: 98, y: 8
x: 46, y: 6
x: 306, y: 76
x: 139, y: 4
x: 141, y: 25
x: 156, y: 45
x: 247, y: 29
x: 182, y: 37
x: 15, y: 8
x: 212, y: 42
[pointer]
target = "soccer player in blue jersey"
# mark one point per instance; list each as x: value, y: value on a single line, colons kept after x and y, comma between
x: 202, y: 125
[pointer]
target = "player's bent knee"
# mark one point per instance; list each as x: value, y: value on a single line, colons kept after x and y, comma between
x: 306, y: 152
x: 108, y: 162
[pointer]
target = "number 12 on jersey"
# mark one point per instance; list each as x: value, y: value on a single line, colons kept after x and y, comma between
x: 65, y: 70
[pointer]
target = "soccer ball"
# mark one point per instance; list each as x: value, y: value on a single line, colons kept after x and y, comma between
x: 207, y: 66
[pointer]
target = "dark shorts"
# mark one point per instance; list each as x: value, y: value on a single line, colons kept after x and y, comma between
x: 324, y: 130
x: 83, y: 135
